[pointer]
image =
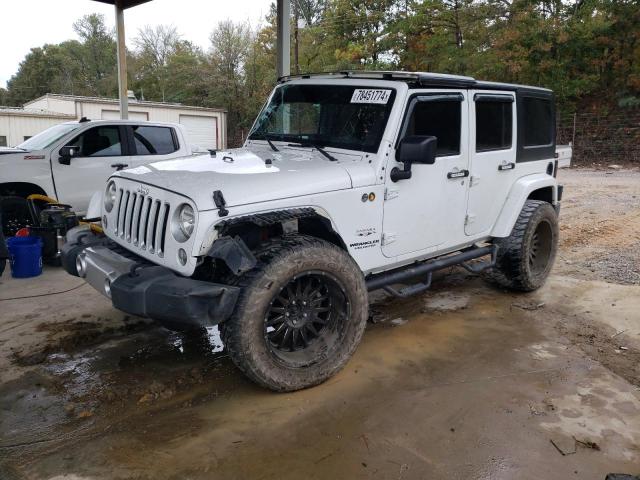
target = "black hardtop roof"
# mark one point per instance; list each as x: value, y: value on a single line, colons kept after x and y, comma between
x: 419, y: 80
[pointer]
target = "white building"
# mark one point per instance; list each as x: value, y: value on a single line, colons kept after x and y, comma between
x: 19, y: 124
x: 206, y: 127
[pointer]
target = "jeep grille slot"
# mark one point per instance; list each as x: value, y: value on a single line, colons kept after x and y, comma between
x: 151, y: 224
x: 163, y: 230
x: 128, y: 218
x: 142, y: 220
x: 122, y: 213
x: 144, y: 215
x: 135, y: 219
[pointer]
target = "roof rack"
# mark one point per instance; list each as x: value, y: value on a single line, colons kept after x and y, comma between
x: 419, y: 78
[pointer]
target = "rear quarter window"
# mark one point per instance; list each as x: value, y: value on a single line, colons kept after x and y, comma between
x: 538, y: 122
x: 154, y: 140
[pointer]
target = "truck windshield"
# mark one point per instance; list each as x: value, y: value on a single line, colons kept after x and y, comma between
x: 340, y: 116
x: 49, y: 136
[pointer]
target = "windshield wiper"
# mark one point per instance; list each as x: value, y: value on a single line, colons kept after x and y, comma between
x: 271, y: 144
x: 317, y: 147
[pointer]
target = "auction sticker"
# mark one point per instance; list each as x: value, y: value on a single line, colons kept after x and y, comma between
x: 370, y: 95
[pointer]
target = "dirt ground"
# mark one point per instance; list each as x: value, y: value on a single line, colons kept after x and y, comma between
x: 463, y: 382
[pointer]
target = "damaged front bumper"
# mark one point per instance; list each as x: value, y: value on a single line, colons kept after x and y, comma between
x: 144, y: 289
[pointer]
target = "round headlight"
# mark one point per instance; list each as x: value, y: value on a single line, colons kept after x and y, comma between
x: 110, y: 196
x: 186, y: 220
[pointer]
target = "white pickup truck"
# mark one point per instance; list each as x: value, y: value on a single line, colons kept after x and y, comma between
x: 348, y: 183
x: 72, y: 160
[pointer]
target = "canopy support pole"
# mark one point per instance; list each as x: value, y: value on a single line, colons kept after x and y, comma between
x: 122, y: 61
x: 283, y: 66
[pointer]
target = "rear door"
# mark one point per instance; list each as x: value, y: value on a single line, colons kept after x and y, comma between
x: 492, y: 121
x: 151, y: 143
x: 100, y: 150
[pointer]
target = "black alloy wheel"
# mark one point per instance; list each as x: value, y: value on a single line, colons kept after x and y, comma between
x: 304, y: 320
x: 541, y: 247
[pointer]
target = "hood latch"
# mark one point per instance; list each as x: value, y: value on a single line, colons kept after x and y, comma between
x: 220, y: 202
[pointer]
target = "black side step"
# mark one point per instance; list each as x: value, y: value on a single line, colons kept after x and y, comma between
x: 400, y: 275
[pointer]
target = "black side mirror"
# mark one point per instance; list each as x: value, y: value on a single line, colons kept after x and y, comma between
x: 414, y: 149
x: 67, y: 153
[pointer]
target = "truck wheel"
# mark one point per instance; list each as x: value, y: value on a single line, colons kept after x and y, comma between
x: 526, y: 256
x: 301, y: 314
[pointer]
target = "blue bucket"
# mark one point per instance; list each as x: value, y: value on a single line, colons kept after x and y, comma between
x: 25, y: 256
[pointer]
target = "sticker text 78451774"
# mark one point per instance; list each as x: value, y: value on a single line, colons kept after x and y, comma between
x: 370, y: 95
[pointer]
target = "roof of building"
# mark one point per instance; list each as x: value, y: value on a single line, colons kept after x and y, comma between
x: 33, y: 112
x: 419, y: 79
x: 114, y: 101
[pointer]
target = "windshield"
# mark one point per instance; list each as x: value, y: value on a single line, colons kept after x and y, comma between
x: 349, y: 117
x: 49, y: 136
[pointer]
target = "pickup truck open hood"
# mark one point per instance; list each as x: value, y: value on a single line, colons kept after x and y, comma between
x: 243, y: 176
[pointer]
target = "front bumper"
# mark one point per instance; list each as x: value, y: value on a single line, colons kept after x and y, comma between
x: 141, y: 288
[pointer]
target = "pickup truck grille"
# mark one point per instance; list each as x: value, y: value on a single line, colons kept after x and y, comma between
x: 141, y: 221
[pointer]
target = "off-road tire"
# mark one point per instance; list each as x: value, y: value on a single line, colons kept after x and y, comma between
x: 279, y: 262
x: 514, y: 268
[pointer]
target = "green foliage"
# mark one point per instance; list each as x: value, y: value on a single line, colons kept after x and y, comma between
x: 582, y: 49
x: 85, y: 67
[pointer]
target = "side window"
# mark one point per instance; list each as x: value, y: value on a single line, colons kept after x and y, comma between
x: 440, y: 119
x: 3, y: 141
x: 154, y: 140
x: 538, y: 125
x: 98, y: 142
x: 494, y: 124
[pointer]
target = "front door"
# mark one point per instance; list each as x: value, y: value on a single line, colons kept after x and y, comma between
x: 492, y: 122
x: 428, y: 210
x: 100, y: 149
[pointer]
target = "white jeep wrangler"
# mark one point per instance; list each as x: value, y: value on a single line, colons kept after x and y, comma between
x: 347, y: 183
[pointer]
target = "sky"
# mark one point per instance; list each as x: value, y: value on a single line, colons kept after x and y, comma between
x: 32, y: 23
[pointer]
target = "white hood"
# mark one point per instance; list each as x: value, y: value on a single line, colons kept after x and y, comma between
x: 6, y: 150
x: 243, y: 176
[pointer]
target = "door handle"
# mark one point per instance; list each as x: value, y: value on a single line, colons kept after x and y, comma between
x: 458, y: 174
x: 506, y: 166
x: 119, y: 166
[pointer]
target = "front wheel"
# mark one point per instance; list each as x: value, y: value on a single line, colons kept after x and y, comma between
x: 300, y: 316
x: 526, y: 256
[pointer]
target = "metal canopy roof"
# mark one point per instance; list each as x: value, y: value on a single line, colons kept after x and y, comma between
x: 124, y: 3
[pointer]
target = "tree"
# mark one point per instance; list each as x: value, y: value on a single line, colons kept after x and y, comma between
x: 4, y: 96
x: 95, y: 55
x: 155, y: 48
x: 36, y: 75
x: 230, y: 47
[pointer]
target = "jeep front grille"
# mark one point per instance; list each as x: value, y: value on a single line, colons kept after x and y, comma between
x: 141, y: 221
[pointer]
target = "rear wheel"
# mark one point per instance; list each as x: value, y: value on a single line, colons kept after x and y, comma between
x: 300, y: 316
x: 526, y: 256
